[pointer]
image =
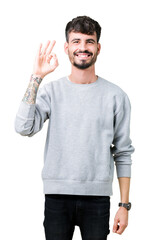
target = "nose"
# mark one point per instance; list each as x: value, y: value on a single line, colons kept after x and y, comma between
x: 82, y: 46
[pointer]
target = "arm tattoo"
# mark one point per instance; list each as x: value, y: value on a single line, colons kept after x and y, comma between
x: 31, y: 92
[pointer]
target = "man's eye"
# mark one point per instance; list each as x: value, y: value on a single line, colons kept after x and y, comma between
x: 76, y: 41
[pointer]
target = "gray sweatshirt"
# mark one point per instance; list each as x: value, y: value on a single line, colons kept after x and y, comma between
x: 88, y: 131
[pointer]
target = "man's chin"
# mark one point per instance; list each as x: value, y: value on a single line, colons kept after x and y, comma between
x: 82, y: 66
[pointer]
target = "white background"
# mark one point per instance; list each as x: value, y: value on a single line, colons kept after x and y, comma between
x: 123, y: 60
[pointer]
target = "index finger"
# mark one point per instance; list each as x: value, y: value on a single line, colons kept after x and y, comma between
x: 51, y: 47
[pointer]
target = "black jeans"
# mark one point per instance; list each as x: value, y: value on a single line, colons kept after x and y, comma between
x: 62, y: 212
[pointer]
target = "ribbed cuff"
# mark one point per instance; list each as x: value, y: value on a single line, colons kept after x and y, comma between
x: 123, y: 170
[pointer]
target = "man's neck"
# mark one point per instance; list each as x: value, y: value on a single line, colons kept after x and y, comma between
x: 84, y: 76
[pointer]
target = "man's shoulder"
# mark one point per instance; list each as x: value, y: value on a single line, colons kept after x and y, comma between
x: 112, y: 87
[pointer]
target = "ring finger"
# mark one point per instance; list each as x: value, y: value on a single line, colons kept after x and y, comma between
x: 45, y: 48
x: 51, y: 47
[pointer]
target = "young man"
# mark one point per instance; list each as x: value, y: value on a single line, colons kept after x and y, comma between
x: 89, y: 126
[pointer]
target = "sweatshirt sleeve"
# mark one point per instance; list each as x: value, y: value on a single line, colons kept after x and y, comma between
x: 122, y: 148
x: 31, y: 117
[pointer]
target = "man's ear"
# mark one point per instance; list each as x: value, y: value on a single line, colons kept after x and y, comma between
x: 99, y: 47
x: 66, y: 47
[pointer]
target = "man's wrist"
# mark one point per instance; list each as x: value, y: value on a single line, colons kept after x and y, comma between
x: 125, y: 205
x: 36, y: 78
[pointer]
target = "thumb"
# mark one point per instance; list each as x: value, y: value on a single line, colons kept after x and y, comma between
x: 55, y: 61
x: 49, y: 58
x: 115, y: 225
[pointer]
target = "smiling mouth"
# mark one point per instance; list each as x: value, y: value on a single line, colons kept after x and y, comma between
x: 83, y: 55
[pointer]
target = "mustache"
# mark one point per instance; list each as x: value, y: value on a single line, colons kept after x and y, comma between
x: 86, y: 51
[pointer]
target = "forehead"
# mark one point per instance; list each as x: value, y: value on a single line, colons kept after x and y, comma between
x: 82, y: 36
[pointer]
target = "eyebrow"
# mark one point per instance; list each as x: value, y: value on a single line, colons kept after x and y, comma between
x: 75, y: 39
x: 89, y: 39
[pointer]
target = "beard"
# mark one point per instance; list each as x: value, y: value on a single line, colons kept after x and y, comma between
x: 83, y: 64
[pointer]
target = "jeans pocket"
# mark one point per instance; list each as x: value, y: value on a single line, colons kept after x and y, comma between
x: 101, y: 199
x: 54, y: 203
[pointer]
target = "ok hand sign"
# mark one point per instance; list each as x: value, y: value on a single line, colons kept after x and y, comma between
x: 42, y: 64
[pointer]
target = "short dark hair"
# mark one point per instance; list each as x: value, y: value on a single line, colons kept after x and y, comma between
x: 83, y: 24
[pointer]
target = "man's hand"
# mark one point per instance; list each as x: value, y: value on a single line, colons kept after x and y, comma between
x: 120, y: 220
x: 42, y: 64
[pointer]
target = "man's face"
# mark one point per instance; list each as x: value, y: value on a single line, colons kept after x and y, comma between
x: 82, y: 49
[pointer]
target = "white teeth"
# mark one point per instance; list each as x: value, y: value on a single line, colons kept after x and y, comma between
x: 83, y: 56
